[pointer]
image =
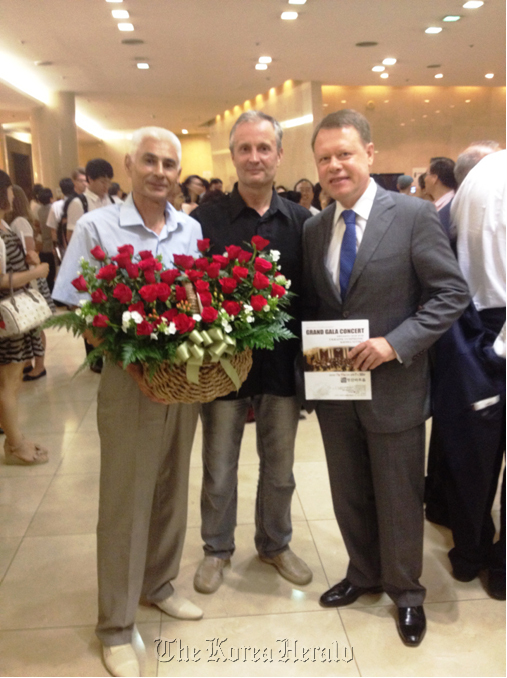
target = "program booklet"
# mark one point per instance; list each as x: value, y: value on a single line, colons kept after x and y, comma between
x: 329, y: 374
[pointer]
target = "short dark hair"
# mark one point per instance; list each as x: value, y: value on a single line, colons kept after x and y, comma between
x: 301, y: 180
x: 97, y: 168
x: 114, y: 188
x: 66, y: 186
x: 346, y: 117
x: 215, y: 180
x: 5, y: 182
x: 45, y: 196
x: 421, y: 181
x: 443, y: 168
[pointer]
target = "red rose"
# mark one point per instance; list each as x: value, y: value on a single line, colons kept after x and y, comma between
x: 233, y: 252
x: 144, y: 328
x: 139, y: 307
x: 277, y: 290
x: 201, y: 286
x: 219, y: 259
x: 231, y: 307
x: 149, y: 292
x: 194, y: 275
x: 257, y: 302
x: 184, y: 323
x: 181, y: 293
x: 126, y: 249
x: 243, y: 257
x: 100, y: 320
x: 209, y: 314
x: 123, y: 293
x: 80, y: 284
x: 202, y: 264
x: 169, y: 276
x: 205, y: 298
x: 262, y: 265
x: 98, y: 253
x: 239, y: 272
x: 203, y: 245
x: 132, y: 270
x: 123, y: 260
x: 149, y: 276
x: 213, y: 270
x: 145, y: 254
x: 260, y: 281
x: 164, y: 291
x: 170, y: 315
x: 183, y: 261
x: 228, y: 285
x: 107, y: 272
x: 148, y: 264
x: 99, y: 296
x: 259, y: 243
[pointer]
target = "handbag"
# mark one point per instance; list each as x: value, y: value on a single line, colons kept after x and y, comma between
x: 22, y: 311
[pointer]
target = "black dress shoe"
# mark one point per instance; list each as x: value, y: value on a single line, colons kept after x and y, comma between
x: 345, y: 593
x: 29, y: 377
x: 495, y: 585
x: 411, y: 625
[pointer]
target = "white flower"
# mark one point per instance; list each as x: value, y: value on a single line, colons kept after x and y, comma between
x: 275, y: 254
x: 247, y: 308
x: 154, y: 336
x: 278, y: 268
x: 78, y: 312
x: 197, y: 317
x: 82, y: 302
x: 137, y: 317
x: 288, y: 284
x: 126, y: 317
x: 172, y: 328
x: 227, y: 326
x: 89, y: 319
x: 280, y: 279
x: 250, y: 319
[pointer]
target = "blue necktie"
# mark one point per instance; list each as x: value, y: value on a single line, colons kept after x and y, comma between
x: 348, y: 250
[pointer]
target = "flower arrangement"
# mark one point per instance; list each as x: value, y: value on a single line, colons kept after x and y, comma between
x: 203, y: 310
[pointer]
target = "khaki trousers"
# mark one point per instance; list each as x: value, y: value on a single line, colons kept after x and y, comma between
x: 145, y: 455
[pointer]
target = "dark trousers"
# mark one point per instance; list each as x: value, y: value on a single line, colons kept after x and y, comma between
x: 49, y: 258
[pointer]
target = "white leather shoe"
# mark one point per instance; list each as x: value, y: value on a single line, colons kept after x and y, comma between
x: 180, y: 608
x: 126, y: 660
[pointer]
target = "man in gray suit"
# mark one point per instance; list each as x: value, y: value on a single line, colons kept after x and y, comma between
x: 383, y: 257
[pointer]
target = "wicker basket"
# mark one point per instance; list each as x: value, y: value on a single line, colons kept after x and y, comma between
x: 170, y: 384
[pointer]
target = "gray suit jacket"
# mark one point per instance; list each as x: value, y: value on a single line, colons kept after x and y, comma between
x: 406, y: 282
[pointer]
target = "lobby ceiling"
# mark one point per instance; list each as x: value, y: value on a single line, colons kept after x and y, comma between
x: 202, y: 53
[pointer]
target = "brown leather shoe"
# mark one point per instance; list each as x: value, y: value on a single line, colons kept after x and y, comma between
x: 290, y: 567
x: 209, y: 575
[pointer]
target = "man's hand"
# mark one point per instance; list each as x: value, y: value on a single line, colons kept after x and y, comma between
x: 136, y: 372
x: 370, y: 354
x: 32, y: 258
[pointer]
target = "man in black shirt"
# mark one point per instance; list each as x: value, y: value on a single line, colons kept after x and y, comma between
x: 253, y: 208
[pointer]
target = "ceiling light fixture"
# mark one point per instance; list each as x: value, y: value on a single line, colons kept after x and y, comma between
x: 439, y: 75
x: 451, y: 17
x: 433, y: 29
x: 344, y: 101
x: 390, y: 61
x: 426, y: 101
x: 114, y: 0
x: 143, y: 66
x: 265, y: 60
x: 296, y: 122
x: 378, y: 69
x: 384, y: 75
x: 489, y: 75
x: 126, y: 27
x: 261, y: 67
x: 184, y: 131
x: 467, y: 101
x: 289, y: 16
x: 120, y: 14
x: 473, y: 4
x: 297, y: 2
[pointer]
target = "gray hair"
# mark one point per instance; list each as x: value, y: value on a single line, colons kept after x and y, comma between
x: 471, y: 156
x: 158, y: 133
x: 257, y: 116
x: 346, y: 117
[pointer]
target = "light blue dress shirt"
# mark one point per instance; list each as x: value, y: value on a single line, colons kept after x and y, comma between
x: 121, y: 224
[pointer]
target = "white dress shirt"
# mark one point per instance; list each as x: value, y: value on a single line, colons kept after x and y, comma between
x: 480, y: 213
x: 55, y: 214
x: 76, y: 210
x: 362, y: 208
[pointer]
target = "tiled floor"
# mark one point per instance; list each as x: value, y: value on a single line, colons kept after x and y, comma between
x: 48, y: 586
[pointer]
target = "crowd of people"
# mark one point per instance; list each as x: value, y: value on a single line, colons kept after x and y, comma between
x: 425, y: 267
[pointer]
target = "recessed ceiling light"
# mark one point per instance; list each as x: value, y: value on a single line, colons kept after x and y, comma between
x: 437, y: 111
x: 384, y: 75
x: 451, y: 17
x: 489, y: 75
x: 389, y: 61
x: 184, y: 131
x: 344, y: 101
x: 143, y: 66
x: 114, y: 0
x: 126, y: 27
x: 451, y: 106
x: 378, y: 69
x: 261, y: 67
x: 433, y: 29
x: 426, y: 101
x: 325, y: 105
x: 120, y: 14
x: 386, y: 101
x: 425, y: 116
x: 473, y: 4
x: 265, y: 60
x: 297, y: 2
x: 289, y: 16
x: 439, y: 75
x: 467, y: 101
x: 402, y: 124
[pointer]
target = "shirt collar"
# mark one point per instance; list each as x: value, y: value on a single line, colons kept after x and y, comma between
x: 444, y: 200
x: 129, y: 216
x: 238, y: 204
x: 363, y: 206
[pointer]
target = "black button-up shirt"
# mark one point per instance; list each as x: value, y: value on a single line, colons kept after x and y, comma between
x: 231, y: 222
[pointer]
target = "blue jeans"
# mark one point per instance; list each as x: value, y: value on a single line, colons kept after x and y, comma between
x: 223, y: 424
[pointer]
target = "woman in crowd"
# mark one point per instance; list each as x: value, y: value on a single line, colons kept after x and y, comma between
x: 193, y: 187
x: 15, y: 351
x: 305, y: 187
